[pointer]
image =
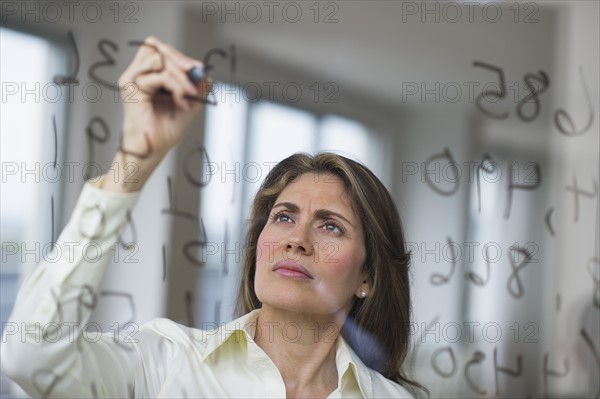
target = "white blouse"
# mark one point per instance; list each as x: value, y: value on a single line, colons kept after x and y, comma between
x: 45, y: 351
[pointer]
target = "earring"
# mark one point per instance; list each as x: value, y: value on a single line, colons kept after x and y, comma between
x: 363, y: 294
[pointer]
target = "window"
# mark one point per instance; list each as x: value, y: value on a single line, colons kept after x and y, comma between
x: 31, y: 140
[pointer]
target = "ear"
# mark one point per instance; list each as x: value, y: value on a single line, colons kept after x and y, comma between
x: 364, y: 288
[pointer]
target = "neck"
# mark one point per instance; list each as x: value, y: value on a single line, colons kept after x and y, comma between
x: 303, y: 347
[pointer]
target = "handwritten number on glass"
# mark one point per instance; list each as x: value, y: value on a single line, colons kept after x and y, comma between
x: 103, y: 47
x: 72, y: 78
x: 568, y: 126
x: 492, y: 94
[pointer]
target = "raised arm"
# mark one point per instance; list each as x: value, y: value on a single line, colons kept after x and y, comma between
x: 160, y: 102
x: 48, y: 347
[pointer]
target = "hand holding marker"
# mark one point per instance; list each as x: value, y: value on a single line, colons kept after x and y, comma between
x: 195, y: 75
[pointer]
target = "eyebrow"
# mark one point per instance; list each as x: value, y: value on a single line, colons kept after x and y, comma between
x: 320, y: 213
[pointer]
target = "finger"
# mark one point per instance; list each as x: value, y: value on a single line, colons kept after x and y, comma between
x: 183, y: 61
x: 205, y: 87
x: 147, y: 49
x: 143, y: 63
x: 156, y: 56
x: 176, y: 62
x: 155, y: 63
x: 181, y: 78
x: 152, y: 82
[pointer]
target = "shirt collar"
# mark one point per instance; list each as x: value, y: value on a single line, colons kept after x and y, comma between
x: 349, y: 365
x: 242, y: 330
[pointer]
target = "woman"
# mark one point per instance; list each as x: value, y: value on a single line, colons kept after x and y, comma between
x: 324, y: 299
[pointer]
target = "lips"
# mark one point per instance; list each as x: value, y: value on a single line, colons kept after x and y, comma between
x: 290, y: 269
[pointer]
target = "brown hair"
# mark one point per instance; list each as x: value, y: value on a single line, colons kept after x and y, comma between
x: 377, y: 327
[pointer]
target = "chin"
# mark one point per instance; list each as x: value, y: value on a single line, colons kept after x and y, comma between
x: 297, y: 304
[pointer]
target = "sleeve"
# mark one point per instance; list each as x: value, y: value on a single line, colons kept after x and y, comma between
x: 48, y: 347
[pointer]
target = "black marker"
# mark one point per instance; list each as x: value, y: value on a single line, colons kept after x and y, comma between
x: 196, y: 74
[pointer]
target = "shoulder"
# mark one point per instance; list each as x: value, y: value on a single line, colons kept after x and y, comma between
x: 165, y: 333
x: 176, y: 332
x: 386, y: 388
x: 165, y: 327
x: 171, y: 337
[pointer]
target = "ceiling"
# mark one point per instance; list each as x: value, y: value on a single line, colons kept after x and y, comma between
x: 378, y: 47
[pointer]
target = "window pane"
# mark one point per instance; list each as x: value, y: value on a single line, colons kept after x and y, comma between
x: 353, y: 140
x: 220, y: 207
x: 345, y: 137
x: 31, y: 165
x: 24, y: 127
x: 276, y: 132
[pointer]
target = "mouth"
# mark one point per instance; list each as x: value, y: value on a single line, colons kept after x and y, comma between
x: 294, y: 270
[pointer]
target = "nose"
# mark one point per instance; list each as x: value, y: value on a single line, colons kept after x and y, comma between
x: 299, y: 242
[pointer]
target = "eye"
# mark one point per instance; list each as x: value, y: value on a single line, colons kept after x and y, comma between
x: 281, y: 217
x: 333, y: 227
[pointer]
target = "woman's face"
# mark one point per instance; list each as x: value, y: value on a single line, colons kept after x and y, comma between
x: 311, y: 253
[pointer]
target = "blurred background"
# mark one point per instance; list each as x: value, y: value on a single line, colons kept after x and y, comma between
x: 480, y: 117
